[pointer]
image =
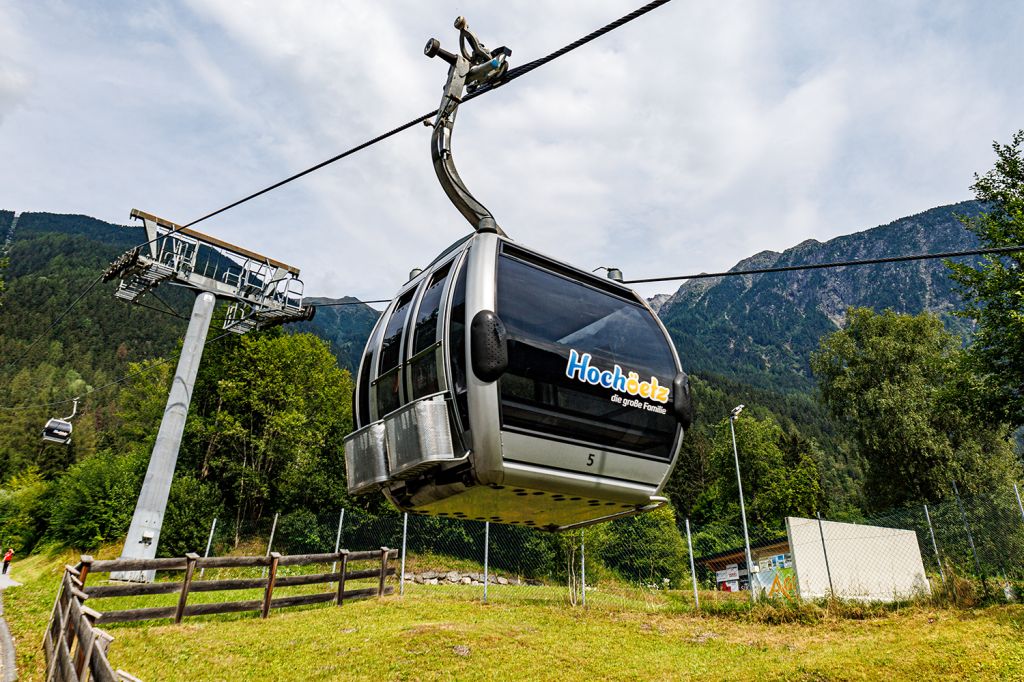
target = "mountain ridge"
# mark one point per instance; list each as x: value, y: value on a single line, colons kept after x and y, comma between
x: 762, y: 328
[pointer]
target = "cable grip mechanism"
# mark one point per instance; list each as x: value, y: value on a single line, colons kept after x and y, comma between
x: 469, y: 69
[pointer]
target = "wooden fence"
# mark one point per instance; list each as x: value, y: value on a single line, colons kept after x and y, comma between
x: 76, y: 649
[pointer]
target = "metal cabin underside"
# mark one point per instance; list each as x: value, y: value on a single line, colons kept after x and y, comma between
x: 528, y: 507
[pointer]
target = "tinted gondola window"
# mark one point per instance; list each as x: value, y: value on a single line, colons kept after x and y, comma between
x: 388, y: 382
x: 424, y: 362
x: 457, y: 346
x: 585, y: 364
x: 363, y: 395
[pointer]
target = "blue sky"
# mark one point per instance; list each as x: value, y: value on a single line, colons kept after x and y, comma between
x: 683, y: 142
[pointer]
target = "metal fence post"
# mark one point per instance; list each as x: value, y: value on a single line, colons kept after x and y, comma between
x: 970, y: 537
x: 209, y: 542
x: 935, y: 546
x: 828, y: 571
x: 1017, y: 493
x: 487, y: 547
x: 337, y: 539
x: 405, y: 533
x: 273, y: 529
x: 693, y: 571
x: 583, y: 568
x: 270, y: 543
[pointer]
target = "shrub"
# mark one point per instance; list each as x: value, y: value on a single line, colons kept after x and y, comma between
x: 191, y: 508
x: 646, y: 548
x: 23, y: 510
x: 94, y: 500
x: 300, y: 532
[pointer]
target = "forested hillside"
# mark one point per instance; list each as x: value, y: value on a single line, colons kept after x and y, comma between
x: 52, y: 261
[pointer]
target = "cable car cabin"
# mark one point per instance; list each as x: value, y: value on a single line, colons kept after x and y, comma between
x: 502, y: 385
x: 57, y: 431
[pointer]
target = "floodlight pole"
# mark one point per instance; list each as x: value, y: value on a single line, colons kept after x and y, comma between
x: 743, y: 510
x: 144, y: 532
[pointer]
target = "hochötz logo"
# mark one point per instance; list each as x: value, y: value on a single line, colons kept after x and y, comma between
x: 579, y: 367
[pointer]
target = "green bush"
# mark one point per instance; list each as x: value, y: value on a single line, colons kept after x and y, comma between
x: 300, y: 532
x: 94, y: 500
x: 24, y: 510
x: 647, y: 548
x: 191, y: 508
x: 525, y: 552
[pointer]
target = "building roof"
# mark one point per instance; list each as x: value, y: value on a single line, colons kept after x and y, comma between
x: 720, y: 560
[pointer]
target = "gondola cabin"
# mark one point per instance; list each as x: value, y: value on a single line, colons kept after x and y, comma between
x: 502, y: 385
x: 57, y: 431
x: 505, y: 386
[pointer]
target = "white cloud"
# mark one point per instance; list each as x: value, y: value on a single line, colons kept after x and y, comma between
x: 684, y: 141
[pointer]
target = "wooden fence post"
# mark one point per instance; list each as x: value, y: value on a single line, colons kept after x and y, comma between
x: 384, y: 552
x: 54, y: 613
x: 275, y: 557
x: 190, y: 568
x: 86, y: 641
x: 57, y: 619
x: 103, y: 640
x: 70, y: 625
x: 86, y: 566
x: 341, y: 578
x: 64, y: 628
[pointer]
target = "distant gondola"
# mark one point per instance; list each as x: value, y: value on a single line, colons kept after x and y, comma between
x: 59, y: 430
x: 503, y: 385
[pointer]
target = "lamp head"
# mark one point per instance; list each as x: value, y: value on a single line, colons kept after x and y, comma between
x: 736, y: 411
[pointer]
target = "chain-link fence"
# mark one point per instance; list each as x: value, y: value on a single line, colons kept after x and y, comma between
x: 967, y: 547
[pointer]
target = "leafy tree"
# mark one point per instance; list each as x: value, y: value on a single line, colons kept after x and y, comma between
x: 271, y: 410
x: 781, y: 477
x: 894, y: 381
x: 779, y: 470
x: 302, y: 533
x: 994, y: 289
x: 140, y: 405
x: 646, y: 548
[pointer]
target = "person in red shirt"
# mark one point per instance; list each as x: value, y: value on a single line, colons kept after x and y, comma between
x: 7, y: 558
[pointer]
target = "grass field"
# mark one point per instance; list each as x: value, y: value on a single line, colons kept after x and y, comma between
x: 432, y: 635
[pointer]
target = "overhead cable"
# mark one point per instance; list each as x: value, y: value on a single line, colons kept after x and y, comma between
x: 524, y: 69
x: 333, y: 305
x: 511, y: 75
x: 833, y: 264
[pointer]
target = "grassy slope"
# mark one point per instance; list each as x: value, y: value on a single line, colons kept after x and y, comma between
x: 424, y: 637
